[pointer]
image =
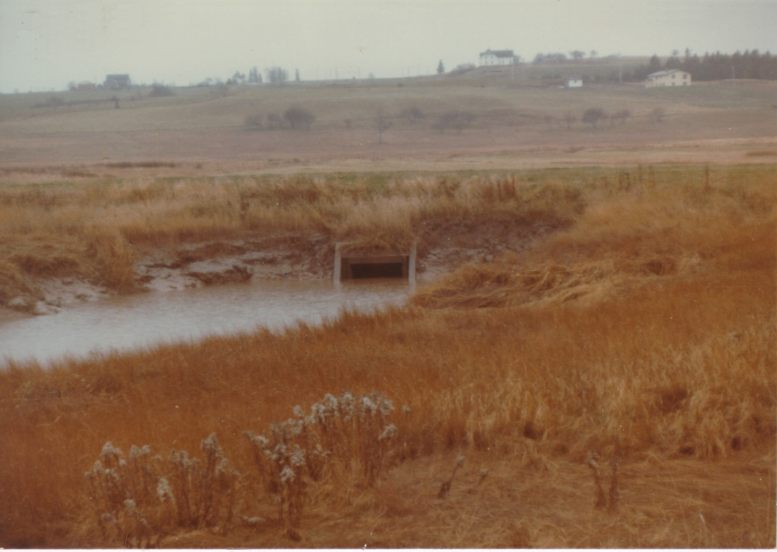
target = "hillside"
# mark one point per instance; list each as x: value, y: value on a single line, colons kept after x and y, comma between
x: 432, y: 123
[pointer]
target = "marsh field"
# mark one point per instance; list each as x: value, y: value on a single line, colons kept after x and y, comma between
x: 588, y: 359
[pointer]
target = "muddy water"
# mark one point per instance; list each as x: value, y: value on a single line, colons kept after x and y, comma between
x: 159, y: 317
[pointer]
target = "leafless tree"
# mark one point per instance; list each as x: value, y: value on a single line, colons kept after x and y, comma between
x: 382, y: 124
x: 593, y: 115
x: 411, y: 114
x: 277, y: 75
x: 299, y: 118
x: 456, y: 120
x: 657, y: 115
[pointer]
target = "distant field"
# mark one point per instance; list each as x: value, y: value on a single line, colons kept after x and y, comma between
x: 511, y: 123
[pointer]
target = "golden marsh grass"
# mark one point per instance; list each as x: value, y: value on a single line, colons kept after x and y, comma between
x: 643, y: 329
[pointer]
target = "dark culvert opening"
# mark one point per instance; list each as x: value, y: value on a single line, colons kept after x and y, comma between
x: 376, y: 270
x: 383, y: 266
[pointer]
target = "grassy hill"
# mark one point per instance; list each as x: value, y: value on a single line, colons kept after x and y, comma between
x: 426, y: 121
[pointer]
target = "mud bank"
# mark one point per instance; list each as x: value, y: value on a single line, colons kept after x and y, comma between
x: 441, y: 248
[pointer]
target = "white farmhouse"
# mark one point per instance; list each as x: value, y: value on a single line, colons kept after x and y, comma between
x: 497, y: 57
x: 670, y: 77
x: 574, y: 82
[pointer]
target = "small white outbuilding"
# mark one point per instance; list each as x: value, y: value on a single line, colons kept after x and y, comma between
x: 574, y: 82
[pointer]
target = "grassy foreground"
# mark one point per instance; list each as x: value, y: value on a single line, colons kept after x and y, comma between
x: 634, y: 350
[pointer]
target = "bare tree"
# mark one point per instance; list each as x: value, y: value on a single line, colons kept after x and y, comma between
x: 411, y: 114
x: 657, y: 115
x: 382, y: 124
x: 160, y: 90
x: 440, y: 68
x: 299, y: 118
x: 255, y: 122
x: 593, y: 115
x: 277, y: 75
x: 237, y: 78
x: 456, y: 120
x: 274, y: 121
x: 621, y: 116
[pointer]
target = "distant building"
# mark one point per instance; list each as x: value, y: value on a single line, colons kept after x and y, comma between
x: 117, y: 81
x: 574, y: 82
x: 670, y: 77
x: 497, y: 57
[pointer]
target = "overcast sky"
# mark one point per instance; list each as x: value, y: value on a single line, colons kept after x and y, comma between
x: 44, y: 44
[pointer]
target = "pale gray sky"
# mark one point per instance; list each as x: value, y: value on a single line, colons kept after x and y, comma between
x: 44, y: 44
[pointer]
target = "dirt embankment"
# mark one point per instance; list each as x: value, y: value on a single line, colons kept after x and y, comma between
x: 442, y: 247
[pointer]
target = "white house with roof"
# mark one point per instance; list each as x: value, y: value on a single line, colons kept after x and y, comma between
x: 497, y: 57
x: 669, y: 77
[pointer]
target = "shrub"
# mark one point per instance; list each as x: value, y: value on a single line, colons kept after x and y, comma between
x: 456, y: 120
x: 299, y: 118
x: 160, y: 91
x: 461, y: 69
x: 254, y: 122
x: 593, y: 115
x: 51, y: 101
x: 621, y: 115
x: 275, y: 121
x: 411, y: 114
x: 657, y: 115
x: 114, y: 259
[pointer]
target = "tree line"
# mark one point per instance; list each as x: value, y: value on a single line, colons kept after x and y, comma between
x: 750, y: 64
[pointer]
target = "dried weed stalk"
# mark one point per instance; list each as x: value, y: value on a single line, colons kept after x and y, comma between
x: 338, y: 433
x: 601, y: 500
x: 614, y: 494
x: 445, y: 488
x: 611, y: 499
x: 135, y: 503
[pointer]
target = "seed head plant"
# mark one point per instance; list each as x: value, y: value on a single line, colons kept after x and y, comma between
x: 339, y: 434
x: 136, y: 501
x: 203, y: 491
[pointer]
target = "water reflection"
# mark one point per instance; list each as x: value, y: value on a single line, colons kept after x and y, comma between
x: 152, y: 318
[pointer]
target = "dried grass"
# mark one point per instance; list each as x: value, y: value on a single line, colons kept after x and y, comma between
x: 670, y: 367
